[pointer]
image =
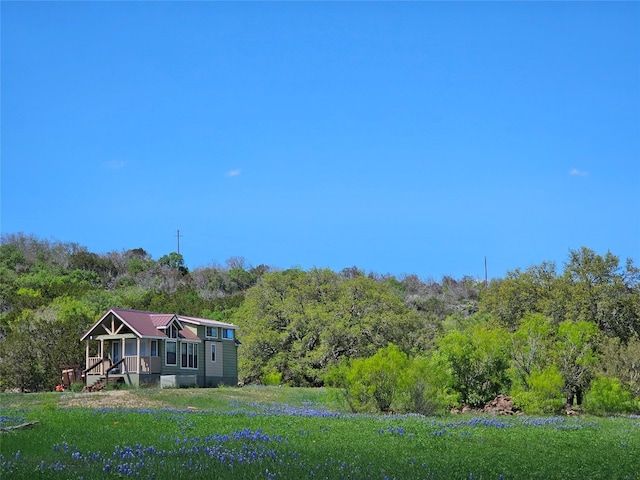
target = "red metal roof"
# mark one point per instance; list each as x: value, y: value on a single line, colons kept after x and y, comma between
x: 140, y: 322
x: 152, y: 324
x: 161, y: 319
x: 188, y: 334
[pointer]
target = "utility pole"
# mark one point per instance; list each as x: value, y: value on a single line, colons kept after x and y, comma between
x: 178, y: 235
x: 486, y: 279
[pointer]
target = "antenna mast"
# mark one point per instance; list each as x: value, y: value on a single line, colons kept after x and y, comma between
x: 178, y: 236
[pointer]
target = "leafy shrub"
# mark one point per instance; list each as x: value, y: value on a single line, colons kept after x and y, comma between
x: 371, y: 384
x: 272, y: 378
x: 544, y: 392
x: 392, y: 381
x: 607, y: 395
x: 425, y: 386
x: 478, y: 358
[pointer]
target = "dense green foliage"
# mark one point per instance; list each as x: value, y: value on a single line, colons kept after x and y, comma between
x: 288, y: 433
x: 51, y: 292
x: 299, y: 323
x: 543, y: 336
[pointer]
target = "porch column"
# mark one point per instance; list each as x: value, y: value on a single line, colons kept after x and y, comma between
x: 102, y: 356
x: 86, y: 357
x: 138, y: 366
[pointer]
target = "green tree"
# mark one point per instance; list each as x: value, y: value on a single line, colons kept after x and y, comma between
x: 40, y: 342
x: 591, y: 288
x: 510, y: 299
x: 102, y: 266
x: 265, y: 317
x: 537, y: 384
x: 531, y: 347
x: 175, y: 261
x: 12, y: 262
x: 479, y: 360
x: 300, y: 323
x: 51, y: 283
x: 576, y: 357
x: 20, y: 365
x: 603, y: 292
x: 621, y: 360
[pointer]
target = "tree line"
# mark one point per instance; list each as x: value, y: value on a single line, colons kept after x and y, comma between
x: 545, y: 336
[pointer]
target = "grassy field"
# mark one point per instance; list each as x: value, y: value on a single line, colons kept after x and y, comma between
x: 287, y: 433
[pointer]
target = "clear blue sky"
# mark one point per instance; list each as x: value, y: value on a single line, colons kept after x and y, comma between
x: 413, y: 138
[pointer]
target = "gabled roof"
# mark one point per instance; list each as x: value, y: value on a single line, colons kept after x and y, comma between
x: 142, y: 323
x: 153, y: 325
x: 161, y: 320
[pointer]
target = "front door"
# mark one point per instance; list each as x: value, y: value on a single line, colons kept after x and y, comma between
x: 115, y: 355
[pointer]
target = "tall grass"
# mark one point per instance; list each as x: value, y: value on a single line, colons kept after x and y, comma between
x: 273, y: 433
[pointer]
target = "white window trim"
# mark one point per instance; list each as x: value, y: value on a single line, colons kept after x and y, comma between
x: 195, y: 355
x: 166, y: 350
x: 228, y: 330
x: 173, y: 331
x: 214, y: 330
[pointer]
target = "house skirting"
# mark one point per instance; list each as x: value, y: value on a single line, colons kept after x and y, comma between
x: 167, y: 381
x: 130, y: 379
x: 176, y: 381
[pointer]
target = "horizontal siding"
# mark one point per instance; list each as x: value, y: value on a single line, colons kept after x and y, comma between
x: 230, y: 366
x: 226, y: 374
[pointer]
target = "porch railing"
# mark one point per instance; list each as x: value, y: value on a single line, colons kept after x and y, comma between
x: 97, y: 365
x: 147, y: 365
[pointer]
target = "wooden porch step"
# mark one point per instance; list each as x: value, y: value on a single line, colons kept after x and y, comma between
x: 102, y: 382
x: 95, y: 386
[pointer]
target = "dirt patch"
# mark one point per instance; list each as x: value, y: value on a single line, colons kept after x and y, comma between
x: 109, y: 399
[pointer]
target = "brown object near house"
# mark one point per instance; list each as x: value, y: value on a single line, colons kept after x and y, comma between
x: 71, y: 374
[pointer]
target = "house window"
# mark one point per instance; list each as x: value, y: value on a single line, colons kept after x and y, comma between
x: 227, y: 333
x: 173, y: 332
x: 144, y: 348
x: 189, y: 355
x: 170, y: 357
x: 213, y: 352
x: 211, y: 332
x: 154, y: 348
x: 130, y: 347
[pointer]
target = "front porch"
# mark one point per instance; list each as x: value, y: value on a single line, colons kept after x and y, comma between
x: 104, y: 356
x: 130, y: 364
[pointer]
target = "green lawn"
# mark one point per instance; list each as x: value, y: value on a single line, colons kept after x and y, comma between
x: 291, y: 433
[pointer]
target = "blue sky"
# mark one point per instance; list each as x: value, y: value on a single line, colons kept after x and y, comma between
x: 403, y: 138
